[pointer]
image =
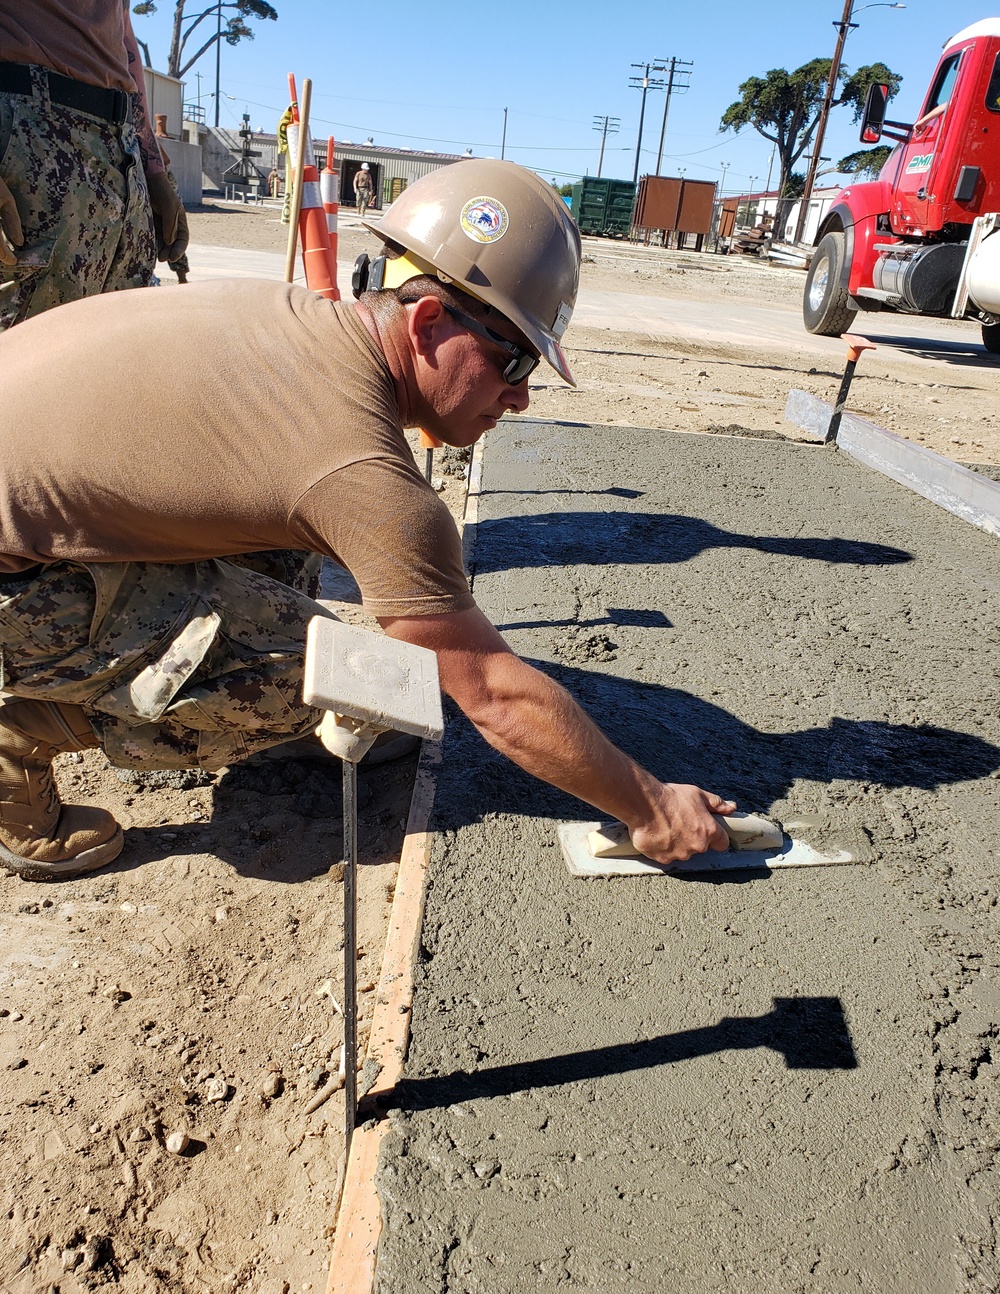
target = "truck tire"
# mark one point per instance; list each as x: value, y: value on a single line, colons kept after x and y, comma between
x: 824, y: 302
x: 991, y: 338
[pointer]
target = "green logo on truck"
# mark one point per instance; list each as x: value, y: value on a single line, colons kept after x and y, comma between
x: 922, y: 162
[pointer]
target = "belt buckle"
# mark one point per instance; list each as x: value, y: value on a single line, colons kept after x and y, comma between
x: 122, y: 106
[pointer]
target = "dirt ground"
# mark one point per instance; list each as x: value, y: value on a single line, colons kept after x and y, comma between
x: 177, y: 992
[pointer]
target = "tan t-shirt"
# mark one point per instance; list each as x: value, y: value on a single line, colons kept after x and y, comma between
x: 82, y: 39
x: 170, y: 425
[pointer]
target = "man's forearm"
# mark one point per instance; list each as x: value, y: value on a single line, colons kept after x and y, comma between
x: 537, y: 724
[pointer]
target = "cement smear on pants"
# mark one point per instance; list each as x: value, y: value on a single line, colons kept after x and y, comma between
x: 769, y: 1082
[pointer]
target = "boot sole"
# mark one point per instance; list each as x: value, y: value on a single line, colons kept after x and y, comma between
x: 89, y: 861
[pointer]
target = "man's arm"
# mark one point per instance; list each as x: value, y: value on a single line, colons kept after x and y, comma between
x: 536, y: 723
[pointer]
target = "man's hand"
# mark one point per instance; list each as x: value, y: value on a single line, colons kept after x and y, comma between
x: 683, y: 825
x: 536, y: 723
x: 169, y: 218
x: 11, y: 233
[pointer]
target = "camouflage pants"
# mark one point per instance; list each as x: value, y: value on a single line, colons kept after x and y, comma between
x: 82, y: 198
x: 189, y: 666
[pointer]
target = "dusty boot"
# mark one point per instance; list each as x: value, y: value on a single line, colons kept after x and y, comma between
x: 40, y: 838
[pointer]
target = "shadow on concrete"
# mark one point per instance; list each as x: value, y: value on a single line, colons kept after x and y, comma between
x: 809, y: 1032
x: 681, y: 738
x: 626, y: 538
x: 617, y: 616
x: 616, y: 491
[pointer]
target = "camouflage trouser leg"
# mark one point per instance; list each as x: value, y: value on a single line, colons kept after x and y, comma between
x: 299, y: 570
x: 82, y: 198
x: 175, y: 666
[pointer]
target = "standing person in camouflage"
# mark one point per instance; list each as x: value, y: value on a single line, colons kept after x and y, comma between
x: 85, y: 205
x: 125, y: 620
x: 363, y: 189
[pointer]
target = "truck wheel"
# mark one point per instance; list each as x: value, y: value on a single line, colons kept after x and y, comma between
x: 991, y: 338
x: 824, y: 304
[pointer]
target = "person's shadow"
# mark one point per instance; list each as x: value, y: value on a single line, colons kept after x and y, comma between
x: 623, y: 538
x: 681, y: 738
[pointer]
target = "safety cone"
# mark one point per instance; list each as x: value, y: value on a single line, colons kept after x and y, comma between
x: 329, y: 188
x: 317, y: 259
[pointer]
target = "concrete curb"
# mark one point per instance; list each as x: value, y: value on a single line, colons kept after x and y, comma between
x: 959, y: 490
x: 359, y: 1218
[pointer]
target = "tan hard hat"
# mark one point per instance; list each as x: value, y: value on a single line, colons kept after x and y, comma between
x: 501, y: 234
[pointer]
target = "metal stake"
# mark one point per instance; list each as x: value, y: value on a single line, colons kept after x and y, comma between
x: 428, y: 464
x: 855, y: 345
x: 350, y: 949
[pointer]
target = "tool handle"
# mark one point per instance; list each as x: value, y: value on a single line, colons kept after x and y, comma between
x: 745, y: 831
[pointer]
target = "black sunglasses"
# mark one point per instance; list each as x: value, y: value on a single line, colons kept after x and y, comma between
x: 522, y: 362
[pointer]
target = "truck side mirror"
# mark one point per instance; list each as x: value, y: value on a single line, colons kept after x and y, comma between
x: 873, y: 117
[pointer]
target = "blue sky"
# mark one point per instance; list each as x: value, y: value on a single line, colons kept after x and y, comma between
x: 439, y: 75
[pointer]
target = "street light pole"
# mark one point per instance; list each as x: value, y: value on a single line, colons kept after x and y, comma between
x: 218, y: 57
x: 843, y: 27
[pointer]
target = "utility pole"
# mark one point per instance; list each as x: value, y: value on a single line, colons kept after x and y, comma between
x: 644, y: 84
x: 843, y: 28
x: 675, y: 85
x: 607, y: 126
x: 503, y: 142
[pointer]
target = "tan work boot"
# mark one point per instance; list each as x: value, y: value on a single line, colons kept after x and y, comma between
x: 40, y: 838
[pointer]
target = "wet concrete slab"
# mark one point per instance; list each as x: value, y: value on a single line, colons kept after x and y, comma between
x: 778, y: 1082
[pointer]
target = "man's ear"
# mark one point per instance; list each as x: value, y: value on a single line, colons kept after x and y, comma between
x: 424, y: 324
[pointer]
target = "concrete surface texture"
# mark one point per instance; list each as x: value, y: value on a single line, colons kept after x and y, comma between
x: 777, y: 1082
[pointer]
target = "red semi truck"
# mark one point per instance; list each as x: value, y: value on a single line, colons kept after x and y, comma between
x: 924, y: 238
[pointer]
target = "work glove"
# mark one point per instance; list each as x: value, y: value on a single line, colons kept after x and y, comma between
x: 169, y: 218
x: 11, y: 234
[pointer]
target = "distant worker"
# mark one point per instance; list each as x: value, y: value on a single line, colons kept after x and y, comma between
x: 122, y: 623
x: 274, y: 183
x: 85, y: 204
x: 363, y: 189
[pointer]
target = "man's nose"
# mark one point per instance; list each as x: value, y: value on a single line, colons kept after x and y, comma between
x: 517, y: 398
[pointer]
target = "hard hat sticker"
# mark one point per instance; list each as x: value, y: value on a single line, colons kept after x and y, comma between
x: 484, y: 220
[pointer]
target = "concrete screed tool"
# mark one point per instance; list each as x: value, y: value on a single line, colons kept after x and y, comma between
x: 368, y: 684
x: 591, y: 849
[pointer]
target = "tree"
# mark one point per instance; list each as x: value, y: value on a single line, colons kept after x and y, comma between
x: 233, y: 30
x: 785, y: 108
x: 866, y: 162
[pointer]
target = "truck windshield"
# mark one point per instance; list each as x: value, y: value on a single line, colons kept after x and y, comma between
x: 993, y: 89
x: 943, y: 85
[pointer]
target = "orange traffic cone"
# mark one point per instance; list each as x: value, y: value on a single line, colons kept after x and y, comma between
x: 317, y: 259
x: 329, y: 188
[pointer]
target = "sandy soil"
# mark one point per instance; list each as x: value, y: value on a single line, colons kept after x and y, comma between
x: 177, y: 991
x: 635, y: 380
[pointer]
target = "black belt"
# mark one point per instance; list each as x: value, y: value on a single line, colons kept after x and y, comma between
x: 111, y: 105
x: 20, y: 577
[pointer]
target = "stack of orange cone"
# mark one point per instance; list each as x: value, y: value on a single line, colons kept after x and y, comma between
x: 317, y: 258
